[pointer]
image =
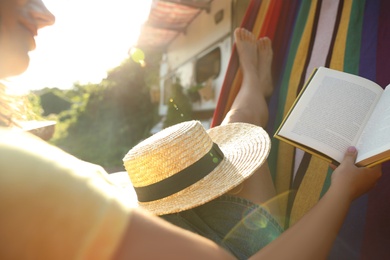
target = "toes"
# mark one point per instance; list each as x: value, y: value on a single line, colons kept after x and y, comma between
x: 249, y: 36
x: 267, y: 43
x: 264, y: 43
x: 244, y: 35
x: 237, y: 34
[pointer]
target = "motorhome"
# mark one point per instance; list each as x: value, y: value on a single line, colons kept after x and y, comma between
x: 197, y: 40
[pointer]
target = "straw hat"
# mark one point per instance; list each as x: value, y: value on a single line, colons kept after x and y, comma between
x: 184, y: 166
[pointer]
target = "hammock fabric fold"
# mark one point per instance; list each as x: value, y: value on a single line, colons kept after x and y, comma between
x: 347, y: 35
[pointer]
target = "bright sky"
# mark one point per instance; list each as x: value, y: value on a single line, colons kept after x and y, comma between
x: 89, y: 38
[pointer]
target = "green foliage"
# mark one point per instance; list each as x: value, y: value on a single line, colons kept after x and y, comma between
x: 54, y: 102
x: 109, y: 118
x: 34, y: 107
x: 193, y: 93
x: 179, y: 107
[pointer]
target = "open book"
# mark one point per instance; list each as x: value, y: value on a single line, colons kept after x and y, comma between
x: 335, y: 110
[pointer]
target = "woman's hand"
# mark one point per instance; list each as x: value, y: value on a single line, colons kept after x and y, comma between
x: 353, y: 180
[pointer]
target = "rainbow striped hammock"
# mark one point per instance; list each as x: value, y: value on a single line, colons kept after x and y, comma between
x: 352, y: 36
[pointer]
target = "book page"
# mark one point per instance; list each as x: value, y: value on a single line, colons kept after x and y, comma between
x: 376, y: 135
x: 332, y: 111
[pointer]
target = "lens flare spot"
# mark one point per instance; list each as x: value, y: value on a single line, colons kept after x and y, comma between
x: 138, y: 56
x: 254, y: 220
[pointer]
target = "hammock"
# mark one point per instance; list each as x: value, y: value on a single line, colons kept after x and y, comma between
x: 352, y: 36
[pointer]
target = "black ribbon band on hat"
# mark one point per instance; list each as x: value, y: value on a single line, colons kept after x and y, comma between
x: 182, y: 179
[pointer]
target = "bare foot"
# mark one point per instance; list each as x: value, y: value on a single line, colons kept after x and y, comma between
x: 247, y: 51
x: 251, y: 102
x: 255, y: 59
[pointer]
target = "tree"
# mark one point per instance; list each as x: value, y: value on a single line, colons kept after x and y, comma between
x: 53, y: 102
x: 115, y: 115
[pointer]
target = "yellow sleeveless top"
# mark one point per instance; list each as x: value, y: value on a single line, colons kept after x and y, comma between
x: 55, y: 206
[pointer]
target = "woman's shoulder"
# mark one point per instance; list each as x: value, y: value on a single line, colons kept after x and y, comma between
x: 22, y: 150
x: 29, y: 158
x: 72, y: 197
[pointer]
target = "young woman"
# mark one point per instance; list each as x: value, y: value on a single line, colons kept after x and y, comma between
x: 55, y: 206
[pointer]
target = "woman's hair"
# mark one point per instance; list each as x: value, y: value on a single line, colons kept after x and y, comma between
x: 13, y: 109
x: 6, y: 112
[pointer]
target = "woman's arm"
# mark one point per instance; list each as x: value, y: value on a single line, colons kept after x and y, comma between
x: 313, y: 235
x: 149, y: 237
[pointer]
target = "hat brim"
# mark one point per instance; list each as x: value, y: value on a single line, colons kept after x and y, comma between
x: 245, y: 147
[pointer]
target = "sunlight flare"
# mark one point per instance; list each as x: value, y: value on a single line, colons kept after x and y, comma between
x: 88, y: 39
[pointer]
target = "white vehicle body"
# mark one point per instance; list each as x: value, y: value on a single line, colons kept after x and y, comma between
x: 200, y: 56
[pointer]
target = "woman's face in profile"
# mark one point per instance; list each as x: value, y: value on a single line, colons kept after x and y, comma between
x: 20, y: 21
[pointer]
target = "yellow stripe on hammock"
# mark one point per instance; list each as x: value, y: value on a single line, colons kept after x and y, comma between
x: 286, y: 151
x: 337, y: 60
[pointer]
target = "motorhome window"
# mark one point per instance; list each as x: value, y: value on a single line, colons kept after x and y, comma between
x: 208, y: 66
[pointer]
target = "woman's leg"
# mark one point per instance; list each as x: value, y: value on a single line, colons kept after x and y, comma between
x: 250, y: 106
